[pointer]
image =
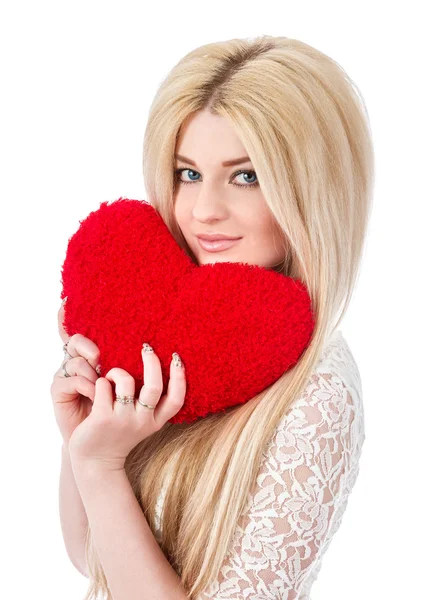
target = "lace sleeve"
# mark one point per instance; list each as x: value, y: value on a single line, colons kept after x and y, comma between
x: 301, y: 492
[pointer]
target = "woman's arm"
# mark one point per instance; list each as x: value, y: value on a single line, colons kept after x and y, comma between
x: 74, y: 520
x: 134, y: 565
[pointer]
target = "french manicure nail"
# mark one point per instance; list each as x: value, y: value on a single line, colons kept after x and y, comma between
x: 177, y: 360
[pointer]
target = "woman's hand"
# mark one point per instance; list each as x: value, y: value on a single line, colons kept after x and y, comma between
x: 112, y: 429
x: 73, y: 396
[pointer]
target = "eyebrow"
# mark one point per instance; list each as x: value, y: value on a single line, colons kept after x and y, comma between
x: 226, y: 163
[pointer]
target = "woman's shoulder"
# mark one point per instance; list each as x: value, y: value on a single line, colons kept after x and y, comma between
x: 330, y: 406
x: 337, y: 358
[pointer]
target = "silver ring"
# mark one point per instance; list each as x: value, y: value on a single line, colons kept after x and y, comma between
x: 131, y: 399
x: 67, y: 355
x: 65, y: 372
x: 125, y: 399
x: 146, y: 405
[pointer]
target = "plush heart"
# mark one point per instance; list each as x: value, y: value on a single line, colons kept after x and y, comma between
x: 237, y: 327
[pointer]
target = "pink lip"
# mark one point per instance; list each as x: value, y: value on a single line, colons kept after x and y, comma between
x: 217, y: 245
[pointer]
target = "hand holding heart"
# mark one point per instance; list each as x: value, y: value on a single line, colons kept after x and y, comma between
x: 112, y: 429
x: 238, y: 327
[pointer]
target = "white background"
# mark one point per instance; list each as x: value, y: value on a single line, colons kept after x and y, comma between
x: 77, y: 81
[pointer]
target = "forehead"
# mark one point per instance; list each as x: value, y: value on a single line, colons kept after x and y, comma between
x: 209, y: 139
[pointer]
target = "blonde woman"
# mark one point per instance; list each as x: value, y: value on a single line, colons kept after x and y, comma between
x: 265, y: 140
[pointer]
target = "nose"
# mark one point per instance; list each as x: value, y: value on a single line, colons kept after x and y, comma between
x: 209, y: 205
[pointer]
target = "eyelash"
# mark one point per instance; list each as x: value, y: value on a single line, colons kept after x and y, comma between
x: 248, y: 185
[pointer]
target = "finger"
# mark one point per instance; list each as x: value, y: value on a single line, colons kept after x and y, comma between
x: 79, y: 345
x: 152, y: 388
x: 103, y: 401
x: 60, y: 318
x: 70, y: 386
x: 124, y: 386
x: 174, y: 399
x: 77, y: 366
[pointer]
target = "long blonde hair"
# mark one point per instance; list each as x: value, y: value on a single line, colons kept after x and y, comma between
x: 306, y: 129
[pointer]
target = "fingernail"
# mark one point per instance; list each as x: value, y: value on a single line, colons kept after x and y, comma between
x: 147, y: 348
x: 177, y: 360
x: 98, y: 369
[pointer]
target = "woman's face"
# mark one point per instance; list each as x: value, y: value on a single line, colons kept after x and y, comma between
x: 211, y: 202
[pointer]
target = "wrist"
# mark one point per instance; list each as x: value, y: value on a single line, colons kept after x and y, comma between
x: 93, y: 467
x: 65, y: 448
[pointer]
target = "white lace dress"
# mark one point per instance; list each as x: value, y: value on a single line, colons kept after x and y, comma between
x: 308, y: 471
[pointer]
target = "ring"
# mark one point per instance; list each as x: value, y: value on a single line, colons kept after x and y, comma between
x: 67, y: 355
x: 125, y: 399
x: 131, y: 399
x: 65, y: 372
x: 146, y: 405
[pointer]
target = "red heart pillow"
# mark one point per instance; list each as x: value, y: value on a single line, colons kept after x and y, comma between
x: 237, y: 327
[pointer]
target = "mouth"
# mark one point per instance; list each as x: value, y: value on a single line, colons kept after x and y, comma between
x: 217, y: 245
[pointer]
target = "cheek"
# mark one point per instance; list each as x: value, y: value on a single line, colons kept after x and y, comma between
x: 178, y: 214
x: 272, y: 236
x: 264, y: 228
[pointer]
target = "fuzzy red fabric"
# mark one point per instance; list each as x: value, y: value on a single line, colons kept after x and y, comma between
x: 237, y: 327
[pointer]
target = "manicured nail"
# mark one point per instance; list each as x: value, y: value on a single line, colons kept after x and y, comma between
x: 98, y: 369
x: 147, y: 348
x: 177, y: 360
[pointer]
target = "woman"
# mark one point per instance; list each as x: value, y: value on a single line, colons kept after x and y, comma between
x: 244, y: 503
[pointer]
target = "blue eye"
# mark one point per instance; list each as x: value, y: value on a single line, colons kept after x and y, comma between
x: 248, y: 185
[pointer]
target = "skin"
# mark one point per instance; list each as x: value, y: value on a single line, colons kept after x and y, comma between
x: 211, y: 202
x: 98, y: 435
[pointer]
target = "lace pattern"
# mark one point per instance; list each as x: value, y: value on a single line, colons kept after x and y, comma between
x: 307, y: 474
